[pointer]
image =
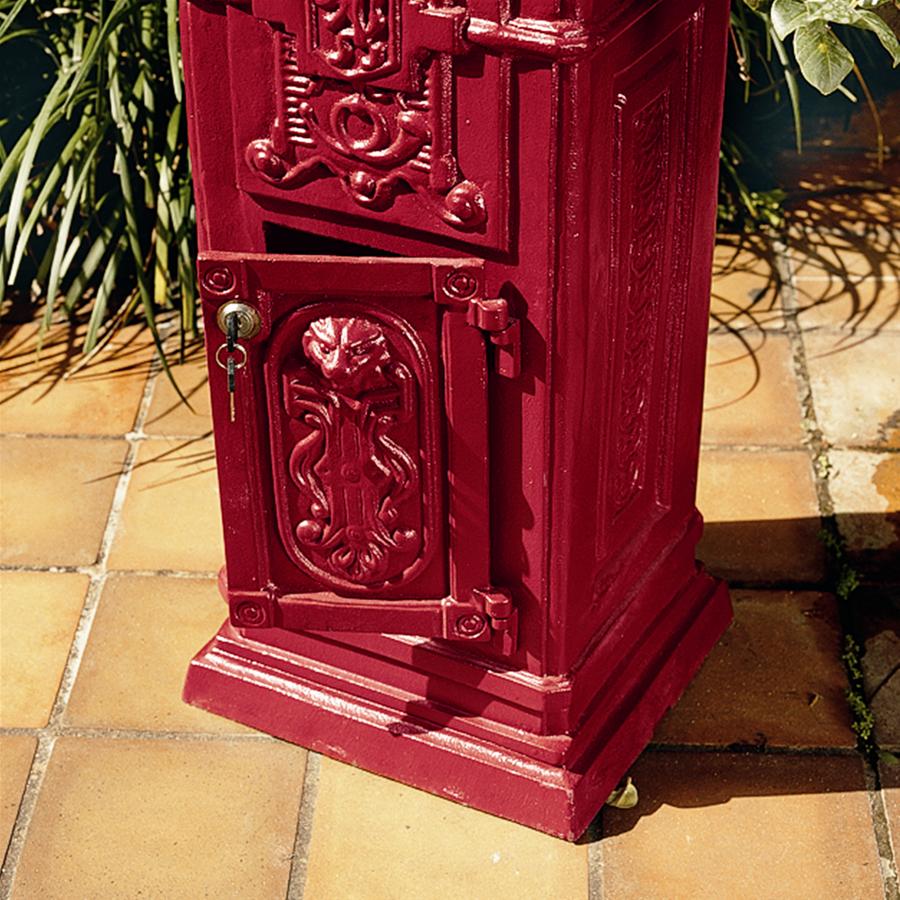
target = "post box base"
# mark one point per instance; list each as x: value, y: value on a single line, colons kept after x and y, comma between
x: 554, y: 783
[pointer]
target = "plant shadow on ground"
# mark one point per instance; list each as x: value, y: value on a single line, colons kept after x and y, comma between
x: 30, y: 362
x: 839, y: 255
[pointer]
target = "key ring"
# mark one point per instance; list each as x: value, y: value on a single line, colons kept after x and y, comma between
x: 237, y: 365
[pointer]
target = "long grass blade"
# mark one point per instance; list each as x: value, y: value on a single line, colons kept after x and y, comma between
x: 95, y: 255
x: 143, y: 285
x: 51, y: 179
x: 94, y: 44
x: 172, y: 46
x: 36, y: 135
x: 63, y: 251
x: 104, y: 292
x: 11, y: 16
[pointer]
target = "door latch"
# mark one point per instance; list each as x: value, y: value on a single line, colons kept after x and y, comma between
x: 503, y: 330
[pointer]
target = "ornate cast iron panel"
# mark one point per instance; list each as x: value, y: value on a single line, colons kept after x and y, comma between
x: 649, y: 274
x: 366, y: 388
x: 397, y: 110
x: 377, y: 143
x: 364, y: 116
x: 355, y: 429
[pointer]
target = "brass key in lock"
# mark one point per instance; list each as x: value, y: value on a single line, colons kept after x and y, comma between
x: 231, y: 333
x: 236, y: 320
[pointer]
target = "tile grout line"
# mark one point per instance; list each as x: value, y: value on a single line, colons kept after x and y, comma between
x: 90, y: 570
x: 101, y: 573
x: 818, y: 449
x: 107, y: 438
x: 745, y: 750
x: 793, y: 448
x: 595, y: 858
x: 98, y: 574
x: 880, y: 826
x: 296, y: 887
x: 88, y: 732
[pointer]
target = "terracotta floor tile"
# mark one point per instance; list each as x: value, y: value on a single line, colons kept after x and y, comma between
x: 39, y: 612
x: 55, y: 497
x: 856, y: 387
x: 16, y: 753
x: 156, y: 818
x: 168, y: 414
x: 850, y: 306
x: 170, y: 519
x: 762, y: 520
x: 865, y: 488
x: 147, y: 625
x: 751, y: 397
x: 877, y: 617
x: 375, y: 838
x: 742, y: 826
x: 746, y: 288
x: 775, y: 679
x: 101, y: 398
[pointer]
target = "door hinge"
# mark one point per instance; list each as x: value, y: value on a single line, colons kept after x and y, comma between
x: 489, y: 615
x: 503, y: 330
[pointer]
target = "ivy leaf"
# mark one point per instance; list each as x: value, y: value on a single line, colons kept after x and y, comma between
x: 787, y: 16
x: 883, y: 31
x: 824, y: 61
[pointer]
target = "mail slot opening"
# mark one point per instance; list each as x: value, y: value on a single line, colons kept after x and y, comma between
x: 280, y: 239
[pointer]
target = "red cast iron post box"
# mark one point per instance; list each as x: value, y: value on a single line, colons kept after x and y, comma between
x: 455, y: 266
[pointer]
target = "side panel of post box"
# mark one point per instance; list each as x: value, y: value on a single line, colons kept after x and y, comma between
x: 231, y: 220
x: 632, y: 308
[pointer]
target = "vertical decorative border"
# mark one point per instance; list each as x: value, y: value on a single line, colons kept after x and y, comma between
x: 677, y: 313
x: 646, y: 255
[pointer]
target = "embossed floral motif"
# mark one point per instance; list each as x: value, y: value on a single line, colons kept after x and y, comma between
x: 379, y: 144
x: 353, y: 477
x: 354, y: 36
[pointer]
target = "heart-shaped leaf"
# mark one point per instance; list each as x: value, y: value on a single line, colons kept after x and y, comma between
x: 824, y: 61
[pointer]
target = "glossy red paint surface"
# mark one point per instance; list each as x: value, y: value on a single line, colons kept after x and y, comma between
x: 458, y: 487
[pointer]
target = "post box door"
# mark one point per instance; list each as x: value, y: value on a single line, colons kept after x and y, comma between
x: 353, y: 456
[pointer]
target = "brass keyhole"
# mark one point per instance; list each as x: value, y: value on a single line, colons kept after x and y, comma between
x: 248, y: 321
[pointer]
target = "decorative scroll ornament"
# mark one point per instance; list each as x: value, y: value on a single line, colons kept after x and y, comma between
x: 379, y: 143
x: 354, y: 478
x: 356, y: 37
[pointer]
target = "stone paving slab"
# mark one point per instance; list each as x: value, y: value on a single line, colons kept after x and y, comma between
x: 774, y: 680
x: 146, y: 621
x: 423, y: 846
x: 762, y: 516
x: 878, y: 616
x: 39, y: 613
x: 133, y: 817
x: 743, y: 827
x: 38, y: 395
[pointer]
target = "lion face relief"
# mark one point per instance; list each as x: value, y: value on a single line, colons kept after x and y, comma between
x: 349, y: 352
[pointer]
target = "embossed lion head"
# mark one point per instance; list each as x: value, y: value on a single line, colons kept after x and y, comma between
x: 348, y: 351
